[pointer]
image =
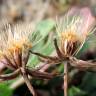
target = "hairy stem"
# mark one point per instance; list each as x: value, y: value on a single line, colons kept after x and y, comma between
x: 65, y: 79
x: 28, y: 83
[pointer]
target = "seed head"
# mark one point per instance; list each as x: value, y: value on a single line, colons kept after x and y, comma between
x: 73, y: 29
x: 15, y: 42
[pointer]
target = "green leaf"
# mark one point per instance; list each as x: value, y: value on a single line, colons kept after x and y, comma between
x: 44, y: 49
x: 42, y: 30
x: 45, y: 27
x: 5, y: 90
x: 74, y: 91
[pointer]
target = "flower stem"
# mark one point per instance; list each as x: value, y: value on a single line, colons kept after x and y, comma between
x: 65, y: 79
x: 28, y: 83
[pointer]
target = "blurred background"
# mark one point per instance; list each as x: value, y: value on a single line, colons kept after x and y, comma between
x: 42, y: 14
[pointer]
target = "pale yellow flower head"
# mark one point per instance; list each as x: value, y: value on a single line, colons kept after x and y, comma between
x: 15, y: 41
x: 73, y: 29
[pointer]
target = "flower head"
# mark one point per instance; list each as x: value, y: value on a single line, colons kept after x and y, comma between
x: 15, y: 43
x: 73, y: 29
